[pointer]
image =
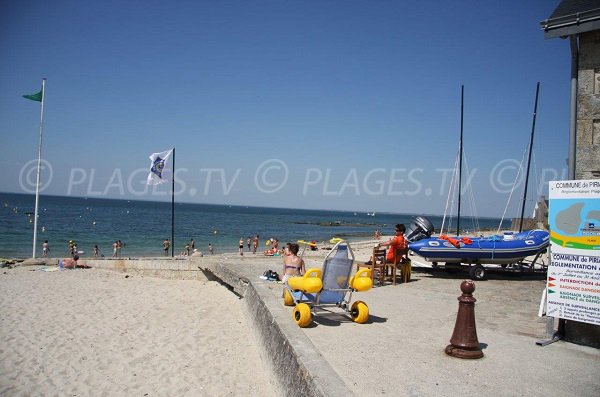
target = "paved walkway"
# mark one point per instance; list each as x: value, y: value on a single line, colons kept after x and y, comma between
x: 400, y: 351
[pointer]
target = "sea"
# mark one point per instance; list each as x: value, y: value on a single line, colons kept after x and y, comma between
x: 142, y: 226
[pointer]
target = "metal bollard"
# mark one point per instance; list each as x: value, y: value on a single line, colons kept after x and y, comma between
x: 464, y: 342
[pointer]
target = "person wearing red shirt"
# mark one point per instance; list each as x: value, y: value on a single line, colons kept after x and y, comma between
x: 397, y: 242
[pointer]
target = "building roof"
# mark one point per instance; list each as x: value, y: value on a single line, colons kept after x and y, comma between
x: 572, y: 17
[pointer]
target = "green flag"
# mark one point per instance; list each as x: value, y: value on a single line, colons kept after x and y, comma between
x: 34, y: 97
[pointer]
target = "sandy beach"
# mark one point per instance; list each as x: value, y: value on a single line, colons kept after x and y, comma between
x: 105, y: 333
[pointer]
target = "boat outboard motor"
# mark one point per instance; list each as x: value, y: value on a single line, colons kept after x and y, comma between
x: 418, y: 229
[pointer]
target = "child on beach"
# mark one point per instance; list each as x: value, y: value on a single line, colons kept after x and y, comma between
x: 210, y: 248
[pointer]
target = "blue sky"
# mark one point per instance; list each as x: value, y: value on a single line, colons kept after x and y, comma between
x: 350, y: 105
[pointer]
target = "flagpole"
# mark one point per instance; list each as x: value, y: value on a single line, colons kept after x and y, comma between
x: 39, y: 165
x: 173, y: 208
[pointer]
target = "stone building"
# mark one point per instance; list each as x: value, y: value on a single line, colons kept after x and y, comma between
x: 579, y: 22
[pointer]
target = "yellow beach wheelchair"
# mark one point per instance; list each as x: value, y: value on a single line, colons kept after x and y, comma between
x: 330, y: 287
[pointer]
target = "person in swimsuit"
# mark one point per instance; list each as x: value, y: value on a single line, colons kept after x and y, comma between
x: 242, y: 246
x: 68, y: 263
x: 166, y: 244
x: 293, y: 265
x: 45, y: 249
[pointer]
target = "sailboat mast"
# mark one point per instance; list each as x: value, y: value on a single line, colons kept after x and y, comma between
x: 460, y: 155
x: 537, y: 91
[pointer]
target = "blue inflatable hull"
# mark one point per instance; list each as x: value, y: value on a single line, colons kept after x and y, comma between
x: 506, y: 249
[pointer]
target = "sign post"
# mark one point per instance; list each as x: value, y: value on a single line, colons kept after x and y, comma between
x: 573, y: 284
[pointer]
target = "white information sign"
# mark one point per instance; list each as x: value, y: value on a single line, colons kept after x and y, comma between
x: 573, y: 285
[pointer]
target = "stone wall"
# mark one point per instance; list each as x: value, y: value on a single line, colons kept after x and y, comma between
x: 588, y: 108
x: 587, y: 157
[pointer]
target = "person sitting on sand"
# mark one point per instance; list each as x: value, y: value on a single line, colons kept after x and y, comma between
x: 293, y: 265
x: 271, y: 252
x: 69, y: 263
x: 397, y: 242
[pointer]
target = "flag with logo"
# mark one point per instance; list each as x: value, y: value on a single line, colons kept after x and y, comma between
x: 159, y: 172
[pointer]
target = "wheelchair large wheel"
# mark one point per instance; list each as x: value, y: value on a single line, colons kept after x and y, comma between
x: 359, y: 312
x: 302, y: 315
x: 288, y: 300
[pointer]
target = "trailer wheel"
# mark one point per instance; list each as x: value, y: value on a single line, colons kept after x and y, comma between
x: 477, y: 272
